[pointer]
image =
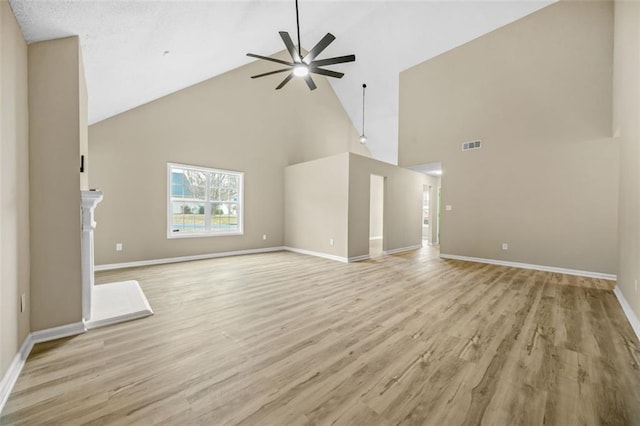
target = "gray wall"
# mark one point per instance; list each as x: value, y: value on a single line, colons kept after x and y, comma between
x: 538, y: 94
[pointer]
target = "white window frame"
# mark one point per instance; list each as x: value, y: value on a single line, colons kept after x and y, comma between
x: 240, y: 203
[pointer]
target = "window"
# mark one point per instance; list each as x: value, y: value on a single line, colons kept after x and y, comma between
x: 203, y: 202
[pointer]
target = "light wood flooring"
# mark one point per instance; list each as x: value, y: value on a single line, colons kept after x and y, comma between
x: 282, y: 338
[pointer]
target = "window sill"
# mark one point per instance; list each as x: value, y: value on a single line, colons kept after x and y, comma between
x: 177, y: 235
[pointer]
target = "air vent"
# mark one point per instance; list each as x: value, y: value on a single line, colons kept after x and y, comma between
x: 471, y: 145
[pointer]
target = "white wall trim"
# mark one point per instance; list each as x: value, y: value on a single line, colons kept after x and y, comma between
x: 403, y: 249
x: 11, y: 376
x: 375, y: 238
x: 317, y: 254
x: 359, y: 258
x: 110, y: 266
x: 626, y: 308
x: 58, y: 332
x: 577, y: 272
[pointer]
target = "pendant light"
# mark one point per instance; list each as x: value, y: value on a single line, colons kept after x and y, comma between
x: 363, y: 137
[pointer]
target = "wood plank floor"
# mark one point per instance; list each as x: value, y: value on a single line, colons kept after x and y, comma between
x: 282, y: 338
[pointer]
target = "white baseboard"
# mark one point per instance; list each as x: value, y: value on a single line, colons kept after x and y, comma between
x: 403, y: 249
x: 350, y: 259
x: 11, y: 376
x: 375, y: 238
x: 577, y: 272
x: 626, y: 308
x: 58, y: 332
x: 317, y: 254
x: 110, y: 266
x: 359, y: 258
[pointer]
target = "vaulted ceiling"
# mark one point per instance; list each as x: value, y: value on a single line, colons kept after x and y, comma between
x: 137, y: 51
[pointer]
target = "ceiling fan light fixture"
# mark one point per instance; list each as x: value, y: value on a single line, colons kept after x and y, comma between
x: 303, y: 66
x: 301, y: 70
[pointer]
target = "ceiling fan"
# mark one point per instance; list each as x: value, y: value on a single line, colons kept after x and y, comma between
x: 302, y: 66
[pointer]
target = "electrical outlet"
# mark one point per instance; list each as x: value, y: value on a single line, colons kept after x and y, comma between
x: 331, y: 241
x: 23, y: 302
x: 119, y: 247
x: 448, y: 207
x: 264, y: 237
x: 505, y: 246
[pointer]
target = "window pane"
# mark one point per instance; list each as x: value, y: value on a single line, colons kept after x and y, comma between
x: 187, y: 217
x: 224, y: 188
x: 197, y: 183
x: 224, y: 217
x: 179, y: 184
x: 233, y: 188
x: 214, y: 193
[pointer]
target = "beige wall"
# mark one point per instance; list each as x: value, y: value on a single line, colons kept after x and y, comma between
x: 329, y: 198
x: 83, y: 122
x: 402, y: 214
x: 316, y: 205
x: 538, y: 94
x: 626, y: 124
x: 376, y: 212
x: 14, y: 188
x: 230, y: 122
x: 54, y: 142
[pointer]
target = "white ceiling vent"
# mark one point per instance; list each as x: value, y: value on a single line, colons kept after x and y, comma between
x: 471, y: 145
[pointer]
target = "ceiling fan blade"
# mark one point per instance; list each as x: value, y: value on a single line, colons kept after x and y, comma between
x: 318, y: 48
x: 266, y: 58
x: 310, y: 83
x: 285, y: 81
x: 331, y: 61
x: 290, y: 46
x: 328, y: 73
x: 271, y: 72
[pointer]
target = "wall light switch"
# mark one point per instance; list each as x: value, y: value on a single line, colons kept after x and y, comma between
x: 119, y: 247
x: 505, y: 246
x: 23, y: 302
x: 264, y: 237
x: 448, y: 207
x: 331, y: 241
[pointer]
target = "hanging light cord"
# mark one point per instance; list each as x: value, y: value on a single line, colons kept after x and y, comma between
x: 298, y: 26
x: 364, y: 86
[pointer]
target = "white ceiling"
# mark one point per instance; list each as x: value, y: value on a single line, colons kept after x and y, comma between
x: 123, y: 44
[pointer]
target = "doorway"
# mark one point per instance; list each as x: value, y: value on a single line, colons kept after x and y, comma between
x: 426, y: 215
x: 376, y: 216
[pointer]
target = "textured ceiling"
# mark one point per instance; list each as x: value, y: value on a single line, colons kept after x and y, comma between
x: 124, y: 44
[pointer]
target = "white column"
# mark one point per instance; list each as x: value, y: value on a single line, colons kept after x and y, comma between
x: 89, y: 201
